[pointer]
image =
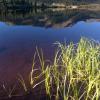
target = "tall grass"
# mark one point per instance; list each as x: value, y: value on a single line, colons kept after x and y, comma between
x: 75, y: 72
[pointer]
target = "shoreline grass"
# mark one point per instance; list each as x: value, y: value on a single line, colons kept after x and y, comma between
x: 73, y: 75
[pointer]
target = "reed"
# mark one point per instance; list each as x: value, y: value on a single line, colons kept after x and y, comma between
x: 74, y: 73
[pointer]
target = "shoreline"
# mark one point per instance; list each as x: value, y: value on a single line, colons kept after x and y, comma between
x: 95, y: 7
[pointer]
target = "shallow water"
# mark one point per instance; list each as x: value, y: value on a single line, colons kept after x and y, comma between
x: 21, y: 31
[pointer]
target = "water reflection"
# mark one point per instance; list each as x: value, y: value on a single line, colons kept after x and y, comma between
x: 57, y: 18
x: 22, y: 30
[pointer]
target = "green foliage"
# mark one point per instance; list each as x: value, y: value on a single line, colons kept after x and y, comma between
x: 75, y: 72
x: 73, y: 75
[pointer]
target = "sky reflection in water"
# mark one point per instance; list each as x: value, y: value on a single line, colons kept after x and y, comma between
x: 18, y: 43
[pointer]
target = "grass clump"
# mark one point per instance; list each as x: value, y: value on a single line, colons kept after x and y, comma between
x: 74, y: 73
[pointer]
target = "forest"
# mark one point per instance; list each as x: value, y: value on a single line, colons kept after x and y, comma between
x: 53, y: 1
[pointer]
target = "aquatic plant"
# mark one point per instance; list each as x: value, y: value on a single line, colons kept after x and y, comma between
x: 74, y: 73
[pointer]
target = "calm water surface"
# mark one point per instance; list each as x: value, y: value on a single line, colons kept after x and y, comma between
x: 22, y: 31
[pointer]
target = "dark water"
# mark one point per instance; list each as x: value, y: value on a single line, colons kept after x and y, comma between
x: 21, y: 31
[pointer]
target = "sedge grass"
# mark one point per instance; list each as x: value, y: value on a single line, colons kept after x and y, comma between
x: 74, y: 73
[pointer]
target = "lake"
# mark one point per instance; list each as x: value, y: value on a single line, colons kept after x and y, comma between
x: 21, y: 31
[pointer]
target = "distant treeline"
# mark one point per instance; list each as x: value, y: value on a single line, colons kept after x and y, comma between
x: 51, y: 1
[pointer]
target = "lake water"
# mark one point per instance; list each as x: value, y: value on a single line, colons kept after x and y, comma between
x: 21, y: 31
